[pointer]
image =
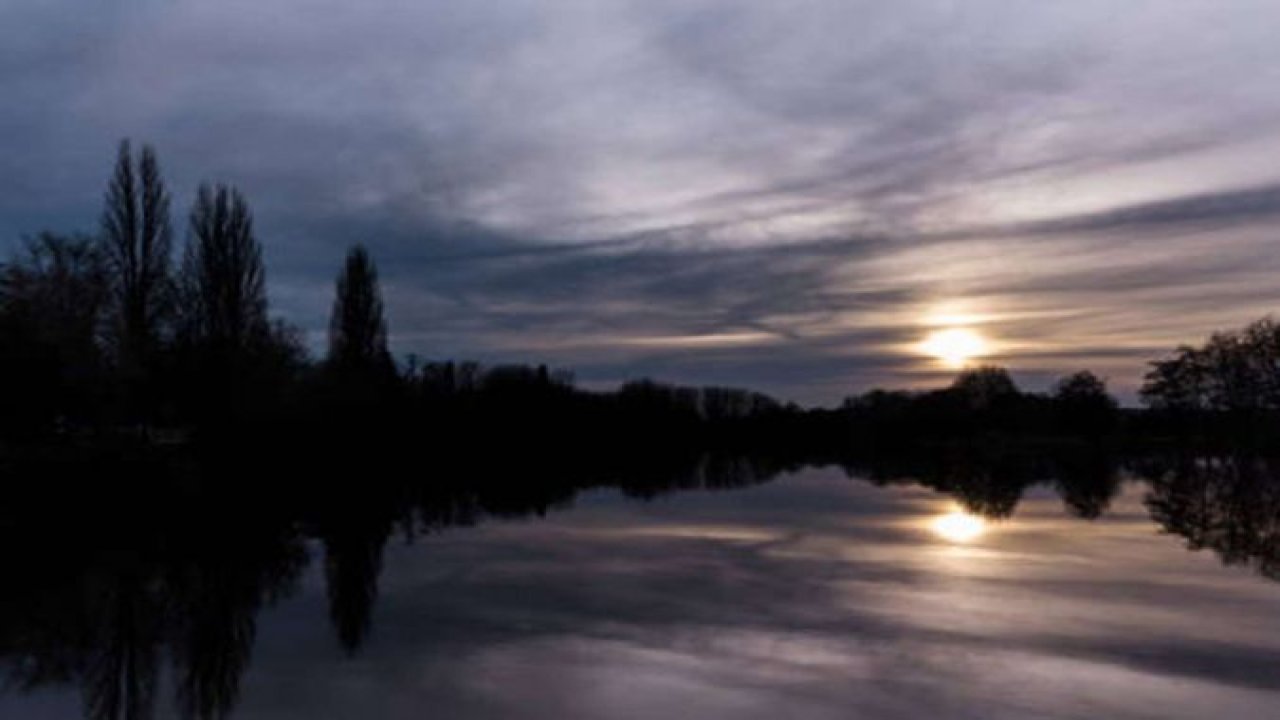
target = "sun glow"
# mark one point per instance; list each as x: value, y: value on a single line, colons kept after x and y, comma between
x: 958, y: 526
x: 955, y: 346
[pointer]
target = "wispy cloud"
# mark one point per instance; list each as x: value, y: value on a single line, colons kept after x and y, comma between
x: 600, y: 184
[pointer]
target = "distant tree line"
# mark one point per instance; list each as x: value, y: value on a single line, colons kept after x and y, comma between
x: 121, y: 333
x: 985, y: 400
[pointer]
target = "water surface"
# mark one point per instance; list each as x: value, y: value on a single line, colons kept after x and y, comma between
x: 815, y: 595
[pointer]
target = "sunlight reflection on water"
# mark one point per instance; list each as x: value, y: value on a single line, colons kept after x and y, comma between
x: 816, y: 596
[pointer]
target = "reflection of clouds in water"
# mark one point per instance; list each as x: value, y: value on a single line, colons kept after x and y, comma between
x: 836, y: 679
x: 811, y: 597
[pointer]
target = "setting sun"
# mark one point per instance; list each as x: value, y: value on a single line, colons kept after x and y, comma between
x: 958, y: 526
x: 955, y: 346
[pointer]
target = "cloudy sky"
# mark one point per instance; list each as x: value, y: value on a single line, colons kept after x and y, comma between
x: 785, y: 195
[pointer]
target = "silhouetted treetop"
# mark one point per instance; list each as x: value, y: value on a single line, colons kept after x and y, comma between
x: 357, y: 328
x: 983, y: 386
x: 58, y: 283
x: 136, y: 236
x: 1083, y: 405
x: 1233, y: 371
x: 52, y: 295
x: 1082, y: 387
x: 223, y: 283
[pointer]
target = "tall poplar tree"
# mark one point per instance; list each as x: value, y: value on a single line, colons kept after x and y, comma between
x: 136, y: 239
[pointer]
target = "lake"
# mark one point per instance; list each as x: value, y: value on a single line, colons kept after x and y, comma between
x: 813, y: 594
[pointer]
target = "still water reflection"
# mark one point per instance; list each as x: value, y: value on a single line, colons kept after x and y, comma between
x: 816, y: 595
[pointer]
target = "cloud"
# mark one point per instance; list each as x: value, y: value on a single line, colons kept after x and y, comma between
x: 570, y: 181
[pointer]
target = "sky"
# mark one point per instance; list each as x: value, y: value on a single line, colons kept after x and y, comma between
x: 788, y: 196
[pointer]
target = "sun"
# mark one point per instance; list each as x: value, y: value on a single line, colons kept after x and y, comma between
x: 955, y: 346
x: 958, y: 526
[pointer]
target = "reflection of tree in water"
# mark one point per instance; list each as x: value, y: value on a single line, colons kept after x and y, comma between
x: 990, y: 481
x: 992, y: 488
x: 1227, y: 504
x: 352, y: 564
x: 191, y: 563
x: 219, y: 588
x: 1086, y: 481
x: 201, y: 602
x: 126, y: 625
x: 139, y: 573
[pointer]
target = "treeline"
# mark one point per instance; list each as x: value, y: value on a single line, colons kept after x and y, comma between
x: 985, y: 401
x: 122, y: 333
x: 1225, y: 392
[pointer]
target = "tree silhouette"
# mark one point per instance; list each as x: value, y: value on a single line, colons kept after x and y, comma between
x: 1229, y: 504
x: 218, y: 588
x: 1233, y: 371
x: 122, y: 669
x: 1228, y: 388
x: 357, y: 328
x: 225, y: 302
x: 352, y: 564
x: 51, y: 299
x: 1083, y: 404
x: 136, y: 236
x: 224, y: 337
x: 985, y: 386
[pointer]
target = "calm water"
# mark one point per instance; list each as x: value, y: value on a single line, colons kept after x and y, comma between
x: 812, y: 596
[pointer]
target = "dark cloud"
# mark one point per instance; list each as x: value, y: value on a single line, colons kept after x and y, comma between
x: 1193, y: 213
